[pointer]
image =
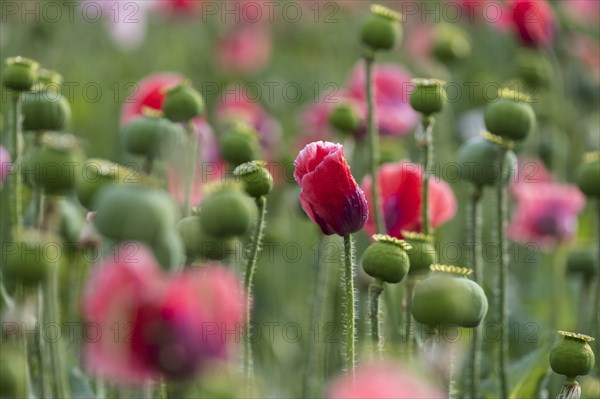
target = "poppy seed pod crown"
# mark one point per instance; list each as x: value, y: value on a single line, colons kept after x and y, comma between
x: 572, y: 355
x: 428, y: 96
x: 20, y: 74
x: 381, y: 30
x: 422, y: 253
x: 386, y: 259
x: 510, y: 116
x: 256, y: 178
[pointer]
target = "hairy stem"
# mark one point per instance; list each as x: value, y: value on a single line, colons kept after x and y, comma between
x: 190, y: 168
x: 427, y: 145
x: 16, y: 152
x: 408, y: 324
x: 476, y: 265
x: 375, y: 290
x: 350, y: 319
x: 502, y: 276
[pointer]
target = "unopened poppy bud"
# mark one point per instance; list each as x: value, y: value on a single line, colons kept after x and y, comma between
x: 134, y: 213
x: 451, y: 44
x: 344, y: 118
x: 386, y: 259
x: 169, y: 250
x: 422, y: 253
x: 20, y: 74
x: 428, y: 96
x: 57, y: 163
x: 239, y: 144
x: 448, y: 297
x: 582, y: 262
x: 97, y: 174
x: 572, y: 355
x: 45, y: 110
x: 381, y: 30
x: 588, y: 175
x: 151, y: 135
x: 226, y: 213
x: 478, y: 162
x: 255, y: 177
x: 200, y: 245
x: 510, y: 116
x: 182, y: 103
x: 32, y: 258
x: 534, y: 68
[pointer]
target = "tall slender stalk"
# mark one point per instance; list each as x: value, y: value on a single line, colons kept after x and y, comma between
x: 408, y: 325
x: 375, y: 290
x: 261, y: 203
x: 502, y: 276
x: 476, y: 265
x: 597, y: 312
x: 16, y: 150
x: 190, y: 167
x: 427, y: 144
x: 350, y: 318
x: 374, y: 144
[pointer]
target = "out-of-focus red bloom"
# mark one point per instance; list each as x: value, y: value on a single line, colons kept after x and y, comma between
x: 5, y: 164
x: 151, y: 324
x: 586, y: 12
x: 394, y: 115
x: 329, y: 194
x: 546, y: 213
x: 400, y: 185
x: 237, y: 105
x: 534, y: 22
x: 382, y: 380
x: 183, y: 7
x: 245, y: 50
x: 150, y: 93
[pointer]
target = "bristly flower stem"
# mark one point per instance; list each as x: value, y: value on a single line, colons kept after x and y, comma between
x: 350, y: 317
x: 190, y: 166
x: 16, y: 152
x: 427, y: 145
x: 375, y: 290
x: 476, y: 265
x: 502, y: 276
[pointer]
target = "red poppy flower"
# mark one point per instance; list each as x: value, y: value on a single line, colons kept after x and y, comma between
x: 329, y: 195
x: 534, y: 22
x: 150, y: 324
x: 149, y: 92
x: 401, y: 198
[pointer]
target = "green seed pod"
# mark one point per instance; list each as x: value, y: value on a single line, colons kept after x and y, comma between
x: 344, y: 118
x: 152, y: 136
x: 534, y: 68
x: 386, y: 259
x: 422, y: 254
x: 198, y: 244
x: 57, y: 164
x: 169, y: 250
x: 239, y: 144
x: 97, y: 174
x: 447, y: 297
x: 226, y: 213
x: 13, y: 381
x: 31, y: 259
x: 478, y: 160
x: 45, y: 110
x: 510, y: 116
x: 428, y: 96
x: 451, y: 44
x: 182, y: 103
x: 582, y: 262
x: 381, y: 30
x: 20, y: 74
x: 572, y: 355
x: 256, y: 178
x: 130, y: 213
x: 49, y: 80
x: 588, y: 175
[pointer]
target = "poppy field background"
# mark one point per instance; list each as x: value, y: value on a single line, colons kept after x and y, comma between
x: 281, y: 68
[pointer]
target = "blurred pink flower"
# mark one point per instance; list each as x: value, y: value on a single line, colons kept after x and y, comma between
x: 149, y: 92
x: 382, y: 380
x: 182, y: 7
x: 587, y: 51
x: 534, y: 22
x: 5, y: 164
x: 529, y: 171
x: 394, y: 114
x: 546, y: 213
x: 419, y: 41
x: 245, y: 50
x: 236, y: 105
x: 586, y: 12
x: 151, y: 324
x: 400, y: 185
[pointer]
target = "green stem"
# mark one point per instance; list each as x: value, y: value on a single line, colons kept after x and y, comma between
x: 261, y: 203
x: 408, y: 324
x: 42, y: 354
x: 350, y: 319
x: 190, y: 170
x: 16, y: 149
x: 374, y: 144
x: 598, y: 288
x: 427, y: 144
x: 476, y: 265
x: 375, y: 290
x: 502, y: 276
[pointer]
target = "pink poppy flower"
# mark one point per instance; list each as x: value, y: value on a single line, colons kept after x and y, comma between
x: 329, y: 194
x: 546, y: 213
x: 151, y: 324
x: 394, y: 115
x: 534, y: 22
x: 585, y: 12
x: 401, y: 198
x: 236, y: 105
x: 245, y: 50
x: 382, y: 380
x: 587, y: 51
x: 5, y: 164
